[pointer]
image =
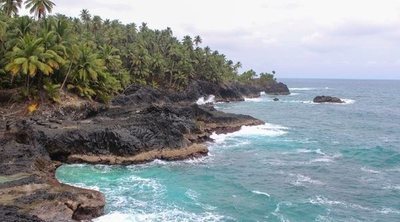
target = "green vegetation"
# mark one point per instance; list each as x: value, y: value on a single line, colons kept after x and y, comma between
x: 96, y: 58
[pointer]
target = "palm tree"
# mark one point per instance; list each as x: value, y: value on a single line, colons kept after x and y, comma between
x: 40, y: 7
x: 10, y: 7
x: 3, y: 29
x: 158, y: 67
x: 197, y: 40
x: 187, y: 42
x: 23, y: 26
x: 27, y: 58
x: 107, y: 22
x: 30, y: 58
x: 131, y: 31
x: 139, y: 63
x: 88, y: 65
x: 85, y: 15
x: 97, y: 23
x: 61, y: 28
x: 143, y: 27
x: 111, y: 58
x: 89, y: 75
x: 207, y: 50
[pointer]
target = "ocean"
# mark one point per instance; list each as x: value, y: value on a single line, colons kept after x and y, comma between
x: 309, y: 162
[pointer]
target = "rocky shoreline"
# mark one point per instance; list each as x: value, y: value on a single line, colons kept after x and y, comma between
x: 141, y: 125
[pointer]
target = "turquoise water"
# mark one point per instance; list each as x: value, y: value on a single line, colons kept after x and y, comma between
x: 311, y: 162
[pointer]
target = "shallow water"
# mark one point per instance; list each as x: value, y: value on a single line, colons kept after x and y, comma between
x: 310, y: 162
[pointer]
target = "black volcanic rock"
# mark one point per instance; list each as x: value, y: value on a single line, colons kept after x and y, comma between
x: 327, y: 99
x: 29, y: 190
x: 223, y: 92
x: 143, y: 124
x: 129, y: 131
x: 276, y: 88
x: 137, y: 94
x: 13, y: 214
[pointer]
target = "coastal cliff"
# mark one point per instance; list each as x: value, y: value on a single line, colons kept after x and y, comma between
x: 141, y: 125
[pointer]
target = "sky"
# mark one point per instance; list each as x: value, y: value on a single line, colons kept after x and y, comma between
x: 351, y: 39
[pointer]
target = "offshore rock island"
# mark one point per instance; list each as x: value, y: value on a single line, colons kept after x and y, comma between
x: 141, y: 125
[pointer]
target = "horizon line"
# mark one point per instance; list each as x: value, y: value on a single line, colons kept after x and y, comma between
x: 323, y: 78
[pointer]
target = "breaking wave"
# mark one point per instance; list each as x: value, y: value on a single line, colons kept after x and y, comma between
x: 266, y: 130
x: 202, y: 100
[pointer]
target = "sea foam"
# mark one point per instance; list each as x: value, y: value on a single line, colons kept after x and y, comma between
x: 321, y: 200
x: 317, y: 151
x: 348, y: 101
x: 266, y: 130
x: 253, y: 99
x: 326, y: 158
x: 367, y: 170
x: 302, y: 179
x: 82, y: 185
x: 302, y: 89
x: 202, y: 100
x: 160, y: 215
x: 261, y: 193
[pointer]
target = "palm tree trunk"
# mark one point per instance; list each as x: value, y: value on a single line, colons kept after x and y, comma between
x: 66, y: 77
x: 171, y: 74
x: 27, y: 83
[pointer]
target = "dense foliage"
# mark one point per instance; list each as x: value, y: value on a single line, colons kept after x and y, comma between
x: 96, y: 58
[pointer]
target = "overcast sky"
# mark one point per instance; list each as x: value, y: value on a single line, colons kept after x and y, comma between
x: 297, y: 38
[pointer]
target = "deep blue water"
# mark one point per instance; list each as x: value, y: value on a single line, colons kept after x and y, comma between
x: 311, y: 162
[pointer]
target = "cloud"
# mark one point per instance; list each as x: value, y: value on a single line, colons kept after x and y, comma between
x: 362, y: 28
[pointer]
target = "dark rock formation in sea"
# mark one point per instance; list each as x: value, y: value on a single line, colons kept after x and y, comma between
x: 276, y: 99
x: 143, y: 124
x: 327, y: 99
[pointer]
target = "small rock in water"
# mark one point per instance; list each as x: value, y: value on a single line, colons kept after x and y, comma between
x: 327, y: 99
x: 276, y: 99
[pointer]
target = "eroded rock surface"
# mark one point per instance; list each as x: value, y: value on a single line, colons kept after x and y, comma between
x: 327, y: 99
x: 138, y: 95
x: 143, y: 124
x: 126, y: 135
x: 28, y: 188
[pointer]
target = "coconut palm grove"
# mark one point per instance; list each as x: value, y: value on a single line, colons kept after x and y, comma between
x: 44, y: 56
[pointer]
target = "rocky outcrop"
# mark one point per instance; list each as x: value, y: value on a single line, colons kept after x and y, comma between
x: 143, y: 124
x: 13, y: 214
x: 28, y: 188
x: 224, y: 92
x: 192, y: 151
x: 275, y: 88
x: 327, y: 99
x: 32, y: 149
x: 127, y: 135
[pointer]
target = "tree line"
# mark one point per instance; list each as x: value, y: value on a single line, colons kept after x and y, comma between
x: 96, y: 58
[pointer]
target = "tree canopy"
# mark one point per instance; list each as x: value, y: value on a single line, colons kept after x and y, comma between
x: 95, y: 57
